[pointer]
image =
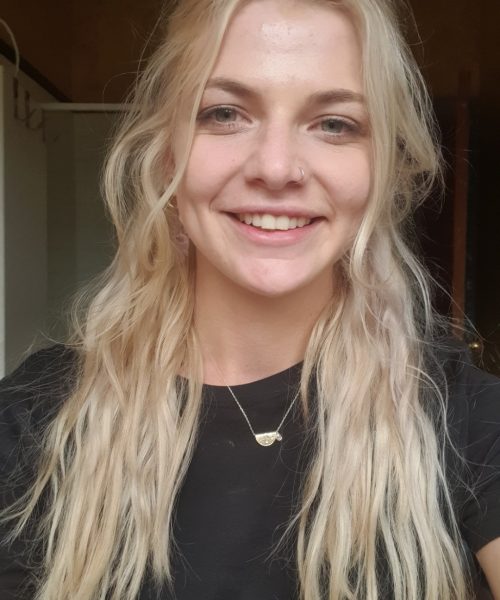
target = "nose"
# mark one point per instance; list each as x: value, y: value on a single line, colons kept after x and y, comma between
x: 274, y: 162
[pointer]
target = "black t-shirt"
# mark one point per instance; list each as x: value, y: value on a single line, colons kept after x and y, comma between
x: 238, y: 497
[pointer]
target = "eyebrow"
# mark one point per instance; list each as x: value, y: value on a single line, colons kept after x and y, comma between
x: 335, y: 96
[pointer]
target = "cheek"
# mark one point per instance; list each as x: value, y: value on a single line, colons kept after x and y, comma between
x: 350, y: 186
x: 193, y: 186
x: 210, y: 168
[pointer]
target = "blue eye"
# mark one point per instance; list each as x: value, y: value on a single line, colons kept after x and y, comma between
x: 224, y: 114
x: 221, y: 120
x: 218, y: 115
x: 335, y: 126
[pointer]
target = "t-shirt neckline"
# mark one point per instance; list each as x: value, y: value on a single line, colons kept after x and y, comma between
x: 277, y: 384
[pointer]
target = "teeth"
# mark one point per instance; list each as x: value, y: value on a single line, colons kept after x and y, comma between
x: 270, y: 222
x: 283, y: 223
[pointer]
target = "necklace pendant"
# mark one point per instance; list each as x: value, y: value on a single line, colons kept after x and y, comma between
x: 268, y: 439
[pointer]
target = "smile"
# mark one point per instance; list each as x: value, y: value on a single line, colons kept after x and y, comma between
x: 273, y: 223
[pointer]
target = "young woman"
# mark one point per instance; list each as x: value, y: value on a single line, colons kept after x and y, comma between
x: 258, y: 405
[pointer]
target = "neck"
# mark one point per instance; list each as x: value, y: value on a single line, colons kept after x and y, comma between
x: 245, y: 336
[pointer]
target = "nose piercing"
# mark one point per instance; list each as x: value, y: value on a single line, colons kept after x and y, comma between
x: 301, y: 175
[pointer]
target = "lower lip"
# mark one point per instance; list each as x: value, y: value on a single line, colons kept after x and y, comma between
x: 275, y: 237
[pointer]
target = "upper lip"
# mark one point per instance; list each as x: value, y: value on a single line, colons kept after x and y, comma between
x: 276, y: 211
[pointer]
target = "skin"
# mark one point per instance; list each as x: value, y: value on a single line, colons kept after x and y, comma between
x: 285, y: 94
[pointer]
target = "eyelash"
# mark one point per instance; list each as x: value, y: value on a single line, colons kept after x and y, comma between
x: 207, y: 117
x: 350, y: 127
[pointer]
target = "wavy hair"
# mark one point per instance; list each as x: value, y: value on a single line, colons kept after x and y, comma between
x: 116, y: 453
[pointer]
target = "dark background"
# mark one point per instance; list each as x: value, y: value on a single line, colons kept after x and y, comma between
x: 89, y: 52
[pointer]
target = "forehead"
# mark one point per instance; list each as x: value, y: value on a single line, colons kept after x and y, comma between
x: 286, y: 40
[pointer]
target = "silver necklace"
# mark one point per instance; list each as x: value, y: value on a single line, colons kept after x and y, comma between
x: 269, y: 437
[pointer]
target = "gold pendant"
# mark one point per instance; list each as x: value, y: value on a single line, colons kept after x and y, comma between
x: 268, y: 439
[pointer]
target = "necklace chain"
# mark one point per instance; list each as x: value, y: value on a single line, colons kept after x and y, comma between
x: 267, y: 438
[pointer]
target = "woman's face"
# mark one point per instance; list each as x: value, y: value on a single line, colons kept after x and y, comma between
x: 279, y: 172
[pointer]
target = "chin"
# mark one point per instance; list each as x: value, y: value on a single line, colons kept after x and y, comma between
x: 276, y: 289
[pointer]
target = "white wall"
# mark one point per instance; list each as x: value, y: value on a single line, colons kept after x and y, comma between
x: 54, y: 236
x: 61, y: 220
x: 23, y: 219
x: 94, y: 233
x: 79, y: 234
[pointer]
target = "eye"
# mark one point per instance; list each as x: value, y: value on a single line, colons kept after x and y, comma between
x: 224, y: 114
x: 336, y: 126
x: 222, y: 119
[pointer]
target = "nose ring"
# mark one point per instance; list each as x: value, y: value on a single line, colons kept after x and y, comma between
x: 301, y: 175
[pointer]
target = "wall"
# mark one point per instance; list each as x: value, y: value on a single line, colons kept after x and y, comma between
x: 61, y: 220
x: 94, y: 234
x: 24, y: 245
x: 44, y: 33
x: 488, y: 210
x: 79, y: 235
x: 90, y: 50
x: 54, y: 236
x: 108, y: 38
x: 450, y: 36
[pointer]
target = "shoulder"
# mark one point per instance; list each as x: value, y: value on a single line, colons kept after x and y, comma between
x: 473, y: 398
x: 45, y: 376
x: 45, y: 366
x: 473, y: 403
x: 29, y: 398
x: 473, y: 415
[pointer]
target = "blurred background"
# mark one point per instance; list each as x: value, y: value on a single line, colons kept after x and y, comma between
x: 77, y: 62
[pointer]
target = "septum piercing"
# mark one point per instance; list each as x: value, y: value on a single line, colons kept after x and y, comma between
x: 302, y: 175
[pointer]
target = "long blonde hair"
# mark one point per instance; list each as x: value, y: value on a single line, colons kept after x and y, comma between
x: 115, y: 455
